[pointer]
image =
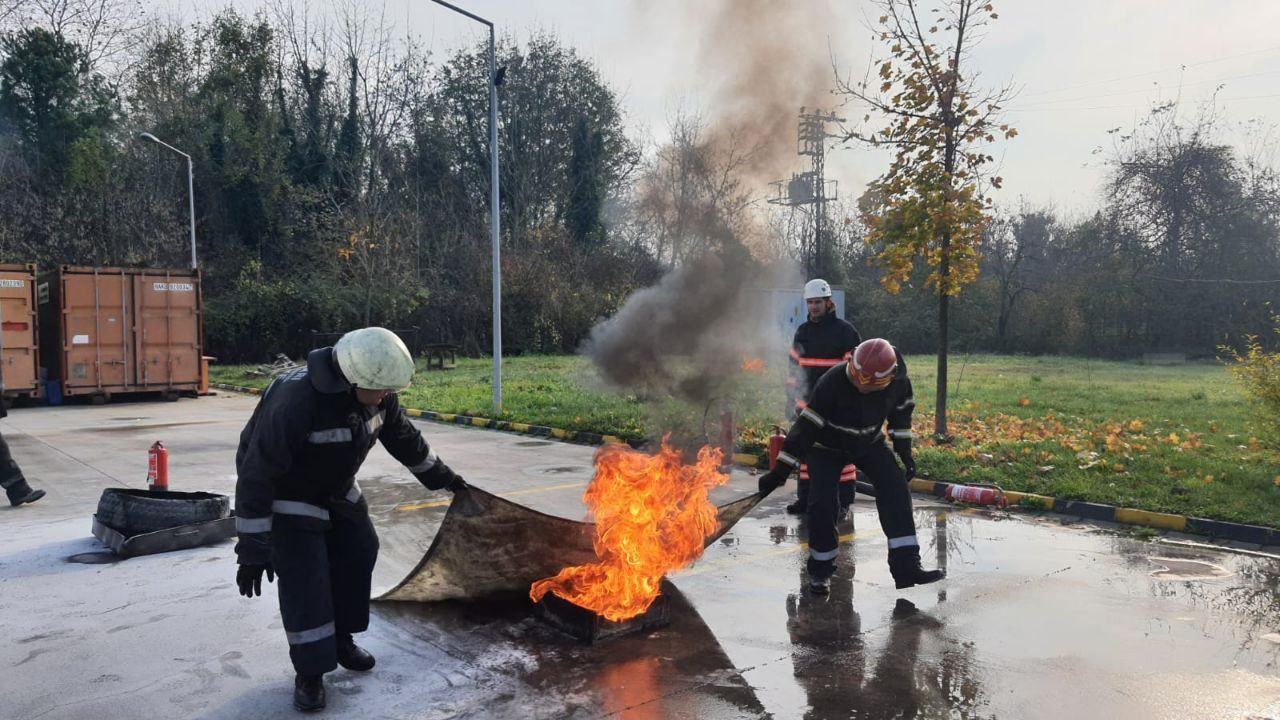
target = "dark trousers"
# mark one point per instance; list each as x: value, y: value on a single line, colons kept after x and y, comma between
x: 847, y: 490
x: 324, y: 581
x: 893, y: 502
x: 10, y: 474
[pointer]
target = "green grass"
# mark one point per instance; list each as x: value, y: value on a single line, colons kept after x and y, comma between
x: 1174, y: 439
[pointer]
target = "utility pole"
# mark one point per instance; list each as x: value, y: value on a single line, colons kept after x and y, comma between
x: 495, y: 79
x: 811, y: 188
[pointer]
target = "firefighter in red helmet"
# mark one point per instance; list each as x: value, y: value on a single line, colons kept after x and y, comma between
x: 844, y: 422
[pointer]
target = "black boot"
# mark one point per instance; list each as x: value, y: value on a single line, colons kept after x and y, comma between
x: 904, y: 564
x: 308, y: 692
x: 819, y: 585
x: 20, y: 492
x: 351, y: 656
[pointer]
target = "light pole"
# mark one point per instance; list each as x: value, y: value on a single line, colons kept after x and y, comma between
x: 191, y: 189
x: 494, y: 80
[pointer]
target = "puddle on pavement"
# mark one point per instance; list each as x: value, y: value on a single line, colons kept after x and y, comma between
x: 563, y: 470
x: 532, y: 443
x: 94, y: 558
x: 132, y: 428
x: 1185, y: 569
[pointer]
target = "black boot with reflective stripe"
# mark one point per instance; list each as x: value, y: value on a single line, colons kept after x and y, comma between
x: 308, y: 692
x: 904, y: 565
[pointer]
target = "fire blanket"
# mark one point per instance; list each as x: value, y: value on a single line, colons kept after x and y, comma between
x: 488, y: 545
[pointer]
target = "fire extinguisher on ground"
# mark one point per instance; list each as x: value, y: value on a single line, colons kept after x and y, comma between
x: 775, y: 445
x: 158, y: 467
x: 977, y: 494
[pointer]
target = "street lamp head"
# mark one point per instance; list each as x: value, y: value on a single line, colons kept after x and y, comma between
x: 148, y: 136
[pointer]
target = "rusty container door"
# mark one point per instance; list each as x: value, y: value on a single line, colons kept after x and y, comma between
x: 168, y: 337
x: 97, y: 320
x: 19, y: 349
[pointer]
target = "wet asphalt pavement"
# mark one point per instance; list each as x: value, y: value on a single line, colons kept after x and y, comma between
x: 1039, y: 617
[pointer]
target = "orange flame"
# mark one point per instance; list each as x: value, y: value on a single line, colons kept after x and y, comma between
x: 752, y: 365
x: 652, y: 516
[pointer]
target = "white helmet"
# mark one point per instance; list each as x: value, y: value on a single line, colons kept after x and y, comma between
x: 817, y: 288
x: 374, y: 358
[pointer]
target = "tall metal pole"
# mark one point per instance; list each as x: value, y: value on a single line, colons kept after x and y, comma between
x: 191, y: 188
x: 191, y: 209
x: 493, y: 229
x: 493, y: 207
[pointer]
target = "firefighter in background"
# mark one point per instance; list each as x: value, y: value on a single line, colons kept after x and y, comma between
x: 844, y: 422
x: 299, y: 512
x: 820, y: 344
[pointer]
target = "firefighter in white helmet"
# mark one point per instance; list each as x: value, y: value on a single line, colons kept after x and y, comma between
x: 819, y: 344
x: 299, y: 511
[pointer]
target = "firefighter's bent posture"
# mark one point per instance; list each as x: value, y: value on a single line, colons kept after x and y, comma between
x: 819, y: 345
x: 844, y: 422
x: 299, y: 511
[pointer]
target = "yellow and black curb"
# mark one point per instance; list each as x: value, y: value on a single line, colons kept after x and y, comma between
x: 1254, y: 534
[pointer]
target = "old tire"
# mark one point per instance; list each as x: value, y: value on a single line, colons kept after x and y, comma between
x: 133, y: 512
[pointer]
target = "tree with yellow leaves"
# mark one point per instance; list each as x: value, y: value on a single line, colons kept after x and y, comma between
x: 930, y: 203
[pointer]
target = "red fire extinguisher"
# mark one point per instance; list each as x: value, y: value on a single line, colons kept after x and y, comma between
x: 976, y: 494
x: 775, y: 445
x: 158, y: 467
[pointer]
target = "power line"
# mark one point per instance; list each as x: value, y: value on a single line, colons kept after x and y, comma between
x: 1126, y: 107
x: 1224, y: 281
x: 1147, y: 89
x: 1153, y: 72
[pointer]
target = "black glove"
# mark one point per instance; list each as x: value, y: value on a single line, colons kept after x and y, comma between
x: 249, y: 578
x: 774, y: 479
x: 903, y: 449
x: 440, y: 477
x: 457, y: 484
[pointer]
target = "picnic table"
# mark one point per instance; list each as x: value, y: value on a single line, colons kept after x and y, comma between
x: 435, y: 352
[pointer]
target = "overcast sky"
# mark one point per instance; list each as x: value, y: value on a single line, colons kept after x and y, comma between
x: 1083, y: 67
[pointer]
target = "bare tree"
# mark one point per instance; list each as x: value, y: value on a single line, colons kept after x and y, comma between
x: 691, y: 196
x: 107, y: 30
x: 1012, y: 248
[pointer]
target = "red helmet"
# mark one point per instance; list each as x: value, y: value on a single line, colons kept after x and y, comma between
x: 874, y: 363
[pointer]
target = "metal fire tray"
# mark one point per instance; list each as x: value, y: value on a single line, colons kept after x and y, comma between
x: 174, y: 538
x: 590, y: 628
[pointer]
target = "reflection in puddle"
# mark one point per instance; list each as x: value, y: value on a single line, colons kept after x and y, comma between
x: 1184, y: 569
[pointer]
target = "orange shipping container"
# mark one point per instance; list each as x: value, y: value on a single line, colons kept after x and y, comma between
x: 19, y: 349
x: 124, y: 330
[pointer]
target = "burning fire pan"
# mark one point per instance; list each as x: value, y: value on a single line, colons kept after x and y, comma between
x: 590, y: 628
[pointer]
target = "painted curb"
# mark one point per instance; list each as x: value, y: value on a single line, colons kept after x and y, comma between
x: 1219, y: 529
